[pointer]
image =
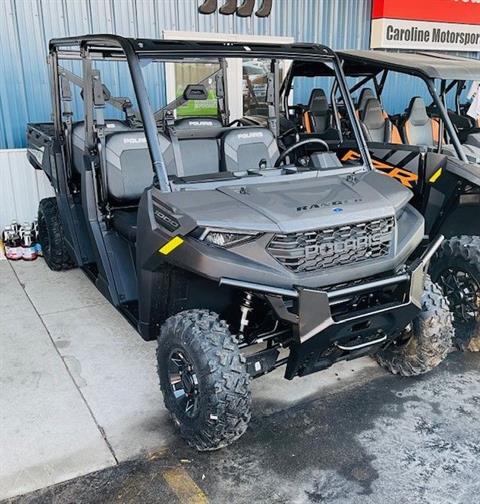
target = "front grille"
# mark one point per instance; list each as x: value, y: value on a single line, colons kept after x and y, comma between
x: 321, y: 249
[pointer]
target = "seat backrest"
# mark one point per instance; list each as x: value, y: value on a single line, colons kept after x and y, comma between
x: 473, y: 139
x: 78, y: 139
x: 199, y: 155
x: 249, y: 148
x: 418, y: 127
x: 365, y: 95
x: 319, y: 110
x: 128, y: 165
x: 376, y: 124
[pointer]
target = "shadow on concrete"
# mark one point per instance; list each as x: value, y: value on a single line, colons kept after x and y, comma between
x: 390, y: 440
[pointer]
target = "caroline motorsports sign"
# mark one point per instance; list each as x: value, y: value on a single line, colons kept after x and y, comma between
x: 448, y: 25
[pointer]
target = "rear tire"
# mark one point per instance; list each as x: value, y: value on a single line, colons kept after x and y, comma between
x: 203, y: 379
x: 51, y: 236
x: 456, y: 269
x: 426, y: 345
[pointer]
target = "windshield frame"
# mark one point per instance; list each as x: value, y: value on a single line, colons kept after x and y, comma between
x: 113, y: 47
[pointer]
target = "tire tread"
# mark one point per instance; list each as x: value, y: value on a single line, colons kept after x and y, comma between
x: 460, y: 248
x: 431, y: 340
x: 227, y: 397
x: 56, y: 255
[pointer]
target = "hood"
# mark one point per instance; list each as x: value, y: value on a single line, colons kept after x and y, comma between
x: 294, y: 205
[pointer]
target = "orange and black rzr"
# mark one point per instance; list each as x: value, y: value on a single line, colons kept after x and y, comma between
x: 432, y: 147
x: 428, y: 148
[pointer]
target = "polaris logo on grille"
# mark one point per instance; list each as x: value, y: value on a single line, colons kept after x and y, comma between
x: 341, y: 247
x: 321, y: 249
x: 328, y: 204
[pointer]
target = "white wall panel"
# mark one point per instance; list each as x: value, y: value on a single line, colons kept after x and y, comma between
x: 21, y: 187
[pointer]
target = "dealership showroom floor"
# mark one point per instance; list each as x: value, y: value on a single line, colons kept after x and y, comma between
x: 82, y: 419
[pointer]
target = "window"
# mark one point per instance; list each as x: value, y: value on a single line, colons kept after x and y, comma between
x: 190, y: 73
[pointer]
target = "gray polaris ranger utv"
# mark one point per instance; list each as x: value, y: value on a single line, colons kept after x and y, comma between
x: 237, y: 253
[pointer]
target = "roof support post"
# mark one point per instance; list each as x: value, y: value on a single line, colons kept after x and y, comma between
x: 55, y: 92
x: 148, y: 118
x: 273, y: 97
x: 448, y: 123
x: 342, y: 84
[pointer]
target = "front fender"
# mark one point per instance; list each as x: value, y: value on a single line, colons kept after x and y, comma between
x: 470, y: 172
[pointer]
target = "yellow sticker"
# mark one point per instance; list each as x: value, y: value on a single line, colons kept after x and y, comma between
x: 436, y: 176
x: 171, y: 245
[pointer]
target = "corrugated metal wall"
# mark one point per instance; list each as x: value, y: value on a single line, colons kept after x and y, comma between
x: 27, y: 25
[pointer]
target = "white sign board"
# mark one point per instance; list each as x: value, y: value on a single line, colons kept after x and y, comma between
x: 402, y: 34
x: 439, y: 25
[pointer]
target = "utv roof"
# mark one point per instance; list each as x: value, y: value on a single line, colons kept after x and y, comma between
x: 427, y: 66
x: 115, y: 46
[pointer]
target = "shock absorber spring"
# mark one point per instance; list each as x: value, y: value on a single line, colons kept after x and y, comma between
x: 245, y: 309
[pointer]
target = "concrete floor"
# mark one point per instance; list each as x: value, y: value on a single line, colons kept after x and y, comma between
x: 79, y: 389
x: 79, y: 404
x: 382, y: 440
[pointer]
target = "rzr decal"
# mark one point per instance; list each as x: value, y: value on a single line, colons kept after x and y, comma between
x: 407, y: 178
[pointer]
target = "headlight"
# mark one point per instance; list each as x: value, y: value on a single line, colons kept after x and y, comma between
x: 225, y: 238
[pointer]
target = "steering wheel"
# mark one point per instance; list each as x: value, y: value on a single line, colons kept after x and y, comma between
x: 238, y: 122
x: 296, y: 146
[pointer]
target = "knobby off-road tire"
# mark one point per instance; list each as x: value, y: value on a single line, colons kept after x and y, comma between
x: 51, y: 236
x: 456, y: 269
x: 212, y: 407
x: 427, y: 343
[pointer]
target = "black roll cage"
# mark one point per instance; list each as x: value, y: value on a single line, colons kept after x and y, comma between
x: 377, y: 71
x: 438, y: 99
x: 116, y: 48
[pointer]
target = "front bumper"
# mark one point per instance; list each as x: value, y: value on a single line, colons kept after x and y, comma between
x: 348, y: 322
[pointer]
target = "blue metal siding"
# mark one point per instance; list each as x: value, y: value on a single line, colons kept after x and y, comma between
x: 27, y: 25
